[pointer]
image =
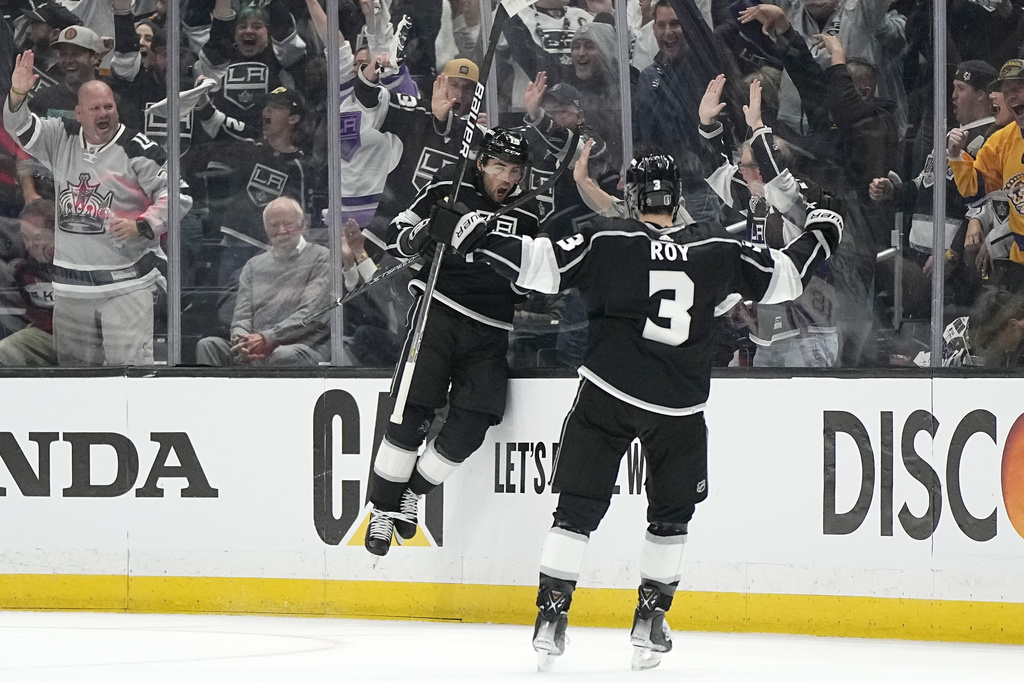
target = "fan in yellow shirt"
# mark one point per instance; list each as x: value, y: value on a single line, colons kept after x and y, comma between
x: 1000, y: 162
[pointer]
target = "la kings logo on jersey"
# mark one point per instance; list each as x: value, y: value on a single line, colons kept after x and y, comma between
x: 83, y: 207
x: 506, y: 224
x: 1002, y: 210
x: 557, y: 42
x: 927, y: 176
x: 265, y: 184
x: 351, y: 140
x: 156, y: 129
x: 1015, y: 192
x: 431, y: 161
x: 245, y: 82
x: 545, y: 200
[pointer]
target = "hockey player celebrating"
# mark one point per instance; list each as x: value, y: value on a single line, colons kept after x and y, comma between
x: 651, y: 286
x: 465, y: 340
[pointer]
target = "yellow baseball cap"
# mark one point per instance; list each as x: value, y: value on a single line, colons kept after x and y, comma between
x: 462, y: 68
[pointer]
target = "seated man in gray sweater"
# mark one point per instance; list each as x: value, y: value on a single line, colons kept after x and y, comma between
x: 276, y: 290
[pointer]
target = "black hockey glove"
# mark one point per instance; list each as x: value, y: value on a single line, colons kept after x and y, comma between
x: 457, y: 227
x: 416, y: 240
x: 829, y: 224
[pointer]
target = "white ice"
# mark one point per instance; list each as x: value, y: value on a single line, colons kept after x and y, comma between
x: 148, y: 648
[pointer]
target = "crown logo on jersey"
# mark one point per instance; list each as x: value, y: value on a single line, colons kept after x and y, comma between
x: 83, y: 208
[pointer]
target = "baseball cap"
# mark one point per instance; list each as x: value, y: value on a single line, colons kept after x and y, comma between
x: 462, y: 68
x: 565, y: 94
x: 52, y: 13
x: 82, y: 37
x: 976, y: 73
x: 289, y: 98
x: 1013, y: 70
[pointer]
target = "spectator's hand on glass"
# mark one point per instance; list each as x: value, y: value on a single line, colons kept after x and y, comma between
x: 833, y: 45
x: 880, y: 189
x: 711, y: 104
x: 752, y: 111
x: 535, y: 93
x: 975, y: 235
x: 772, y: 17
x: 440, y: 102
x: 955, y: 143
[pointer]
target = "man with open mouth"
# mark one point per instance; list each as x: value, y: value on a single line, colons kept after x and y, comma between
x: 462, y: 358
x: 999, y: 164
x: 251, y: 53
x: 112, y: 200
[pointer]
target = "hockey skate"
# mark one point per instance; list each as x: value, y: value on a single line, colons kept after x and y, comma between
x: 553, y: 599
x: 651, y: 637
x: 407, y: 517
x: 379, y: 532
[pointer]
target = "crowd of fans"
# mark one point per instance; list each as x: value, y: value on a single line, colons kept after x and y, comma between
x: 766, y: 108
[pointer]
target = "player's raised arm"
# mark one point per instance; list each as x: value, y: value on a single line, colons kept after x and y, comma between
x: 773, y: 276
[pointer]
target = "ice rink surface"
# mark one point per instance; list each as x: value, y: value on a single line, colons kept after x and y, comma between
x: 96, y: 647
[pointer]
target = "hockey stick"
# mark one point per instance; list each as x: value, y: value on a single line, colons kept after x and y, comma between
x: 506, y: 9
x: 323, y: 310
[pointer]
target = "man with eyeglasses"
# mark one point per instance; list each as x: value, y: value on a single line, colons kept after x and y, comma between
x: 276, y: 290
x: 462, y: 356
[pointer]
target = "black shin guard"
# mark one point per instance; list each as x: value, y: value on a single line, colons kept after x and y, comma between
x: 554, y: 597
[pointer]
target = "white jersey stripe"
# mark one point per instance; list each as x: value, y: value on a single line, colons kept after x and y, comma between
x: 785, y: 284
x: 586, y: 373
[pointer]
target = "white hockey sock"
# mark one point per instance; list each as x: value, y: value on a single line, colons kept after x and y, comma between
x: 393, y: 463
x: 562, y: 555
x: 661, y: 558
x: 433, y: 466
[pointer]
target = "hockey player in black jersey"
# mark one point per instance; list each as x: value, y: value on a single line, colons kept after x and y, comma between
x: 465, y: 340
x: 652, y: 287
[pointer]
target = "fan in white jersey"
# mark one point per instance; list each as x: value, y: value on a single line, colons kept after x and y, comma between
x: 112, y: 197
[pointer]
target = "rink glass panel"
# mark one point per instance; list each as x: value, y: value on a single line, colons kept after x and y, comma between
x: 882, y: 284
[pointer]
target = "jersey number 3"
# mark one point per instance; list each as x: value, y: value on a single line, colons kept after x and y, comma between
x: 676, y: 309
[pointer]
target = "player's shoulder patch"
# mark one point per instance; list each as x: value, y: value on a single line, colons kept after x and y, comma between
x: 405, y: 102
x: 136, y: 144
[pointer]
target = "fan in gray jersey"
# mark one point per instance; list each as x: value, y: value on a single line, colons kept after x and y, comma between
x: 111, y: 186
x: 652, y: 287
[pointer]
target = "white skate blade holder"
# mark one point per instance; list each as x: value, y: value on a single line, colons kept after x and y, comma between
x: 645, y: 658
x: 545, y: 660
x: 544, y: 644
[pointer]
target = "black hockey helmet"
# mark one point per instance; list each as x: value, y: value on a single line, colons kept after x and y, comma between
x: 653, y: 184
x: 507, y: 144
